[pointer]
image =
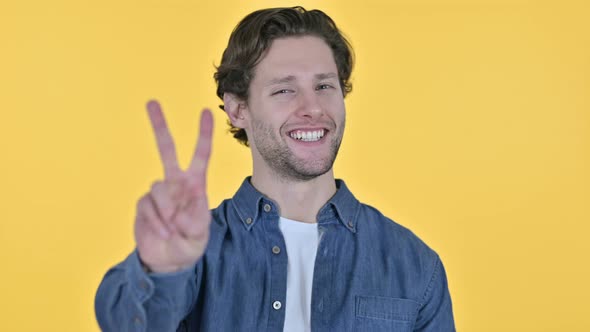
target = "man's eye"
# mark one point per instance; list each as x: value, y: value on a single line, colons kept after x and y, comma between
x: 323, y: 87
x: 282, y: 91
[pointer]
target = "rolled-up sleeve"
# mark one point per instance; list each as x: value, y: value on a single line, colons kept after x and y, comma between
x: 129, y: 299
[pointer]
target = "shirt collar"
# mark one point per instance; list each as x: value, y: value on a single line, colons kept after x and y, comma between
x: 343, y: 205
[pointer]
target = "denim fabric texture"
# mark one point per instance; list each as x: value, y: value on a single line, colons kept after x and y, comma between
x: 370, y: 274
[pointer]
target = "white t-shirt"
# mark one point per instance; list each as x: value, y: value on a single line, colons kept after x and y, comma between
x: 301, y: 240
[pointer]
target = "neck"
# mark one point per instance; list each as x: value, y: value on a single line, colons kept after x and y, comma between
x: 298, y: 200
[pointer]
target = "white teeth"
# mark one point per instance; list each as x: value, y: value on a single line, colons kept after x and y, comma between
x: 308, y: 136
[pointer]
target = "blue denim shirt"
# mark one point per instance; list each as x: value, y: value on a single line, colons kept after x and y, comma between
x: 370, y: 274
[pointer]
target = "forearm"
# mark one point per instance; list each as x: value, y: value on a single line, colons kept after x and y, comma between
x: 129, y: 299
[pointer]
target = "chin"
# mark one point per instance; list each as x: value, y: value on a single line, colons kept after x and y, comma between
x: 305, y: 171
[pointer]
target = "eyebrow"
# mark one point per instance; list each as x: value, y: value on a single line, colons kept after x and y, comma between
x: 280, y: 80
x: 291, y: 78
x: 326, y: 76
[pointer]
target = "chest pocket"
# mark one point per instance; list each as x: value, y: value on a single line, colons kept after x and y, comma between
x: 375, y: 313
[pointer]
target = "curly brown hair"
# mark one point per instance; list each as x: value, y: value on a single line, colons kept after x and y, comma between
x: 254, y: 35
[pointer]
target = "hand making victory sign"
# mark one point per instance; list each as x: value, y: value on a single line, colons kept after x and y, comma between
x: 172, y: 220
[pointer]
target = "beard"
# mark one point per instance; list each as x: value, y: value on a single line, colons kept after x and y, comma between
x: 277, y: 155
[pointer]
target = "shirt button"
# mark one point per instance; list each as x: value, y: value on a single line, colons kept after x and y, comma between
x: 266, y: 207
x: 350, y: 224
x: 137, y: 320
x: 144, y: 285
x: 276, y: 250
x: 276, y: 305
x: 249, y: 221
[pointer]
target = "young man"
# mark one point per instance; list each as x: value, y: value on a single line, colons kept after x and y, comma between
x: 293, y: 250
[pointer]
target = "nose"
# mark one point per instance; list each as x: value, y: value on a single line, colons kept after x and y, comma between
x: 309, y: 106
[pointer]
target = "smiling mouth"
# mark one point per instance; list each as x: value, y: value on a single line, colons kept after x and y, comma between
x: 308, y: 136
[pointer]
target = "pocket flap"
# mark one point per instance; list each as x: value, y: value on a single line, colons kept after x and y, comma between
x: 386, y: 308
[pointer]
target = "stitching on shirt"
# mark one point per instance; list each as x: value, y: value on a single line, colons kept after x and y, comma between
x: 432, y: 279
x: 355, y: 217
x: 363, y: 305
x: 237, y: 210
x: 242, y: 218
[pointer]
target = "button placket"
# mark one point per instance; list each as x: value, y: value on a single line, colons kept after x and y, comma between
x: 278, y: 264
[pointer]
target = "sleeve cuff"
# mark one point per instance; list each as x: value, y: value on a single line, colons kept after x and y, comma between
x: 144, y: 285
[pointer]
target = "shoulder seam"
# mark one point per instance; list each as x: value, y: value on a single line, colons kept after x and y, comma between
x: 430, y: 285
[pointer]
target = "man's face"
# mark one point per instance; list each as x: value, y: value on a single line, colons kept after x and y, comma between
x: 295, y: 114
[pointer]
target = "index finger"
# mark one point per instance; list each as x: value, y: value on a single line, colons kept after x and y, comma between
x: 163, y: 139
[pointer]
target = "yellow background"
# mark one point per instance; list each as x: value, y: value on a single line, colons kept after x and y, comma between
x: 469, y: 123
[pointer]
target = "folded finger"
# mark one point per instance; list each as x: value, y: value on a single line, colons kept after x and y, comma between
x: 193, y: 226
x: 161, y: 197
x: 146, y: 212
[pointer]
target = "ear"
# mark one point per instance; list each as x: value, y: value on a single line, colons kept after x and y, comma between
x: 235, y: 109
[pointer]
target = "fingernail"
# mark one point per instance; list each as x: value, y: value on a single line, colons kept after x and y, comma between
x: 152, y: 104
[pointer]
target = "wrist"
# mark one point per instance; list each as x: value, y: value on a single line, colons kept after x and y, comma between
x: 161, y: 269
